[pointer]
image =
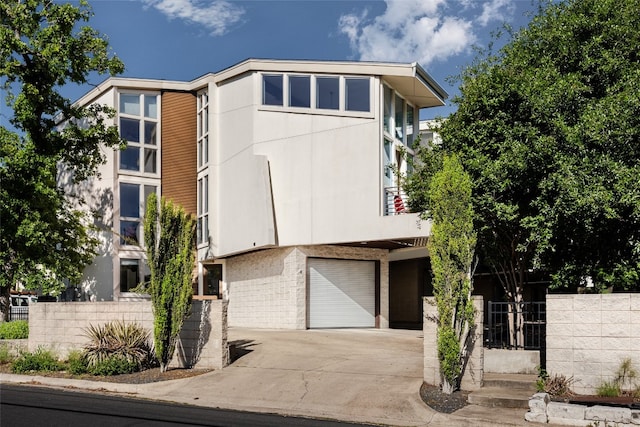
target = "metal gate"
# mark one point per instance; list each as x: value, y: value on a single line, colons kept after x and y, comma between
x: 514, y: 326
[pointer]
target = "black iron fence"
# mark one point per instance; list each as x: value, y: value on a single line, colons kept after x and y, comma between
x: 19, y: 312
x: 513, y: 325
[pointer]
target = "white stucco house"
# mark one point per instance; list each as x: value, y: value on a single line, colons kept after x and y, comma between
x: 290, y: 168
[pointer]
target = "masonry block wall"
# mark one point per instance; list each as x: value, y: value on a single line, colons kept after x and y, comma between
x: 61, y: 327
x: 268, y: 288
x: 472, y: 376
x: 589, y: 335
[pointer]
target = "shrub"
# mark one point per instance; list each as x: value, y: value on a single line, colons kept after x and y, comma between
x: 129, y: 342
x: 609, y: 389
x: 40, y: 360
x: 5, y: 354
x: 113, y: 365
x: 77, y: 363
x: 556, y: 385
x: 14, y: 330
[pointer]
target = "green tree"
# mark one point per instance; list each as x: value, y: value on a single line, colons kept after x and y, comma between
x: 169, y: 236
x: 43, y: 232
x: 451, y: 247
x: 548, y: 128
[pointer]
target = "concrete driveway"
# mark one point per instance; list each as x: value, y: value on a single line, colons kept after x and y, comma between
x: 369, y: 375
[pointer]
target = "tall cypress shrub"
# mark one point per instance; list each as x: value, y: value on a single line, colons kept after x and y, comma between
x: 169, y: 235
x: 451, y: 247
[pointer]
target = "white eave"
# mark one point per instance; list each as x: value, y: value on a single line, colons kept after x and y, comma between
x: 410, y: 80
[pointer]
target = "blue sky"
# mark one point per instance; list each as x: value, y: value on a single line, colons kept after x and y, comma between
x: 183, y: 39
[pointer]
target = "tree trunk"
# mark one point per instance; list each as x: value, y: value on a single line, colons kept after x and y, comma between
x: 447, y: 387
x: 5, y: 303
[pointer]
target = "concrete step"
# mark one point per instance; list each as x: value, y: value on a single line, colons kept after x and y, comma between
x: 510, y: 381
x: 500, y: 397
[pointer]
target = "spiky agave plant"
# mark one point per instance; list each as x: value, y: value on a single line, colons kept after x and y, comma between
x: 128, y: 341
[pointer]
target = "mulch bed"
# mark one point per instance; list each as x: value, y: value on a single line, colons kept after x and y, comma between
x: 590, y: 400
x: 441, y: 402
x: 143, y: 377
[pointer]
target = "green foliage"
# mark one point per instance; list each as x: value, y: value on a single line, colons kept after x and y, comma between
x: 40, y: 360
x: 624, y: 381
x: 15, y: 330
x: 548, y: 129
x: 77, y: 363
x: 170, y: 241
x: 44, y: 47
x: 113, y: 365
x: 609, y: 389
x: 451, y: 247
x: 5, y: 354
x: 120, y: 340
x: 543, y: 375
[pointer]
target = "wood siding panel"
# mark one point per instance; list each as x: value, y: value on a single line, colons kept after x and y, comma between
x: 179, y: 156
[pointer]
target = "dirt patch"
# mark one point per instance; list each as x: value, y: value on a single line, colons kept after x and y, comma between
x: 143, y: 377
x: 441, y: 402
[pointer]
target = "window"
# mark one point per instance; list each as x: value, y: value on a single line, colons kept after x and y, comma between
x: 131, y: 211
x: 138, y: 126
x: 211, y: 278
x: 129, y: 274
x: 357, y: 94
x: 399, y: 118
x: 388, y: 99
x: 202, y: 229
x: 272, y: 89
x: 328, y: 93
x: 300, y: 91
x: 203, y: 129
x: 409, y: 125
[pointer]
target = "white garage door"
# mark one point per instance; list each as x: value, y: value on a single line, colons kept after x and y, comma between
x: 341, y: 293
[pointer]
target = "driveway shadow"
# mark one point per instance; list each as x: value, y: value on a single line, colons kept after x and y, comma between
x: 239, y: 348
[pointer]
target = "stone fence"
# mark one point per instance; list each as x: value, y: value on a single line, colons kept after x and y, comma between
x: 61, y: 326
x: 472, y: 375
x: 589, y: 335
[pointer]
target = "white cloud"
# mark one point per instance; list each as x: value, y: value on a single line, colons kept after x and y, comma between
x: 496, y: 10
x: 421, y: 30
x: 409, y: 30
x: 216, y: 16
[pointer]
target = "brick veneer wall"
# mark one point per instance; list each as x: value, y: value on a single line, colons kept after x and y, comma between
x: 61, y: 327
x: 588, y: 336
x: 473, y: 373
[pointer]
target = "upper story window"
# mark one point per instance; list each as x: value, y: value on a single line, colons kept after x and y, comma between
x: 202, y: 229
x: 203, y: 129
x: 138, y: 121
x: 317, y: 92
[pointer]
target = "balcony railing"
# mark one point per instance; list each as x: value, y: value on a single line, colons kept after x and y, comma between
x: 395, y: 201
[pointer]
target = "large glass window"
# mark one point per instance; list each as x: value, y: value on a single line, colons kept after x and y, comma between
x: 203, y: 129
x: 139, y: 127
x: 357, y: 94
x: 132, y: 203
x: 399, y: 117
x: 272, y: 89
x: 409, y: 125
x: 388, y: 99
x: 202, y: 229
x: 300, y: 91
x: 328, y: 93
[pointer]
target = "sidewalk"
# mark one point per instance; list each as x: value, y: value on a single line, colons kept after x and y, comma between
x: 367, y: 376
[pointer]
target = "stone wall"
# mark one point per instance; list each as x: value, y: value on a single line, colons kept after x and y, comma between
x: 61, y: 326
x: 474, y: 370
x: 589, y: 335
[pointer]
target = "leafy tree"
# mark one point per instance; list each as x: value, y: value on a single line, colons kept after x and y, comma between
x: 451, y: 247
x: 43, y: 48
x: 169, y: 236
x: 548, y: 128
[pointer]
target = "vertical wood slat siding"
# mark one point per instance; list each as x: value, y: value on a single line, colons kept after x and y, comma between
x: 179, y: 156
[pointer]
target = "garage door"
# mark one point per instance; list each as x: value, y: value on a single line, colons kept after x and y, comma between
x: 341, y: 293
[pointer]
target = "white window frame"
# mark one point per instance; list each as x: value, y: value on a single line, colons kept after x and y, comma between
x: 142, y: 205
x: 204, y: 126
x: 141, y: 145
x: 202, y: 233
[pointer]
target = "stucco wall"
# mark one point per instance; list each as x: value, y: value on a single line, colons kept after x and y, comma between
x: 472, y: 376
x: 268, y: 289
x: 61, y: 327
x: 588, y: 336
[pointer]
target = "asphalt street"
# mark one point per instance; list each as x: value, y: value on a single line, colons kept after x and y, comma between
x: 36, y: 406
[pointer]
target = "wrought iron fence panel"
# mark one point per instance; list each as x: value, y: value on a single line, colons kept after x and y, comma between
x: 513, y: 325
